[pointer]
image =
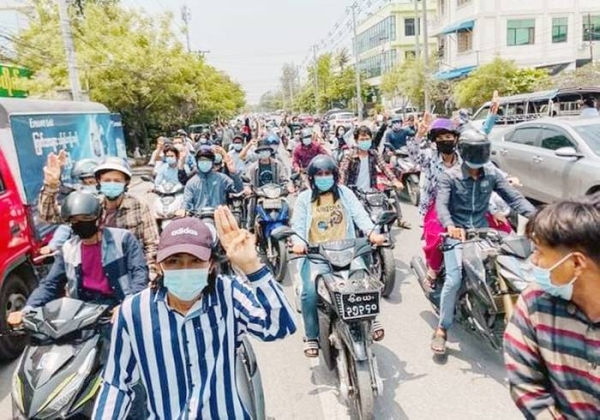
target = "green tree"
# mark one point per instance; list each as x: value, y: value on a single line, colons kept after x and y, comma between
x: 501, y: 75
x: 132, y: 63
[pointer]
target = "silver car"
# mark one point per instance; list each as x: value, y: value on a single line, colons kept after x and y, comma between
x: 554, y: 158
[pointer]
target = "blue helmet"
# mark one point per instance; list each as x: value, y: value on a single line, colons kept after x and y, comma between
x: 273, y: 140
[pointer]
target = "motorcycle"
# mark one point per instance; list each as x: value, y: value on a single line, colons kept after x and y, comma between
x: 384, y: 266
x: 272, y: 211
x: 495, y: 271
x: 348, y: 302
x: 58, y: 375
x: 236, y: 203
x: 168, y: 199
x: 409, y: 173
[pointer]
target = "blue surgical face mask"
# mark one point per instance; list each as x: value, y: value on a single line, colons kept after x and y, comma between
x: 186, y: 284
x: 474, y: 165
x: 365, y: 144
x: 237, y: 147
x: 205, y: 166
x: 171, y: 160
x: 218, y: 158
x: 543, y: 278
x: 264, y: 154
x: 112, y: 190
x: 307, y: 141
x: 88, y: 189
x: 324, y: 182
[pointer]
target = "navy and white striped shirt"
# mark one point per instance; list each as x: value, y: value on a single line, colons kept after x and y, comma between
x: 187, y: 364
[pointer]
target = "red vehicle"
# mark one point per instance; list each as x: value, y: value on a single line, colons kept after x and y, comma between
x: 21, y: 171
x: 306, y: 119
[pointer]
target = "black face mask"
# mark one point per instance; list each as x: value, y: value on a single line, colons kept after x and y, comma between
x: 446, y: 147
x: 85, y: 230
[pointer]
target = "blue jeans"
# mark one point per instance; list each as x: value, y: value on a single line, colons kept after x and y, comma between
x: 452, y: 283
x: 308, y: 273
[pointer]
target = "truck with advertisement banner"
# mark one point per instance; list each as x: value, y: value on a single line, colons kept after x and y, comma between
x: 29, y: 131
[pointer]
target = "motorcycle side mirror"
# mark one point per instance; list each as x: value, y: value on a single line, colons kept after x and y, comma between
x: 386, y: 218
x: 147, y: 178
x: 282, y: 232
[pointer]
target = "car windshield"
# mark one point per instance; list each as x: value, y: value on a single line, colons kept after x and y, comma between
x: 591, y: 135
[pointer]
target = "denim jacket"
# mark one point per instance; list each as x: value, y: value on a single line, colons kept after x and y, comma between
x: 354, y: 212
x: 122, y: 258
x: 463, y: 201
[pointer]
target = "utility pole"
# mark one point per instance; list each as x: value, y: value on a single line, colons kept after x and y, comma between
x: 65, y: 27
x: 316, y: 79
x: 417, y: 30
x: 426, y: 57
x: 291, y: 87
x: 186, y: 17
x: 359, y: 104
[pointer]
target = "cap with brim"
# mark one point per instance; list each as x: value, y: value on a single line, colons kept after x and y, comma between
x: 185, y: 236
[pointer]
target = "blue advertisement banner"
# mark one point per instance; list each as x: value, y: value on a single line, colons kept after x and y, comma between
x: 80, y: 135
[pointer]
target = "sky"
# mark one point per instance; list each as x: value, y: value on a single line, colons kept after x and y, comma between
x: 252, y: 39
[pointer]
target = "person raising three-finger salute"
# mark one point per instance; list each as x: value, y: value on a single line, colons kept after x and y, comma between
x: 181, y: 338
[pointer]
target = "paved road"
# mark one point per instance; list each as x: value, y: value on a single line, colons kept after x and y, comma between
x: 468, y: 384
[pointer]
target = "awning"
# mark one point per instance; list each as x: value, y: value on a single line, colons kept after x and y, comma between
x: 467, y: 25
x: 454, y: 73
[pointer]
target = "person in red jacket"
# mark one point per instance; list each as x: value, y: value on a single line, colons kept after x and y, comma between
x: 306, y: 151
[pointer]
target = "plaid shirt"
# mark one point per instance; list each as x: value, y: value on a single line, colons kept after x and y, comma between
x: 350, y: 167
x: 132, y: 215
x: 552, y: 356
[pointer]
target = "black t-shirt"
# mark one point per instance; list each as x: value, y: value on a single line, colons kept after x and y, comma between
x: 265, y: 174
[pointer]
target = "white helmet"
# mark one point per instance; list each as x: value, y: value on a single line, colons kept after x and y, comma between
x: 114, y: 163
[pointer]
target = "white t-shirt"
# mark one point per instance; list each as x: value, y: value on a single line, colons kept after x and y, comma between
x: 363, y: 181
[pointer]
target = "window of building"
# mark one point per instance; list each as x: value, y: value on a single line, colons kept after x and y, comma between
x: 441, y: 48
x: 409, y: 26
x: 465, y: 41
x: 442, y: 7
x: 520, y: 32
x: 591, y: 27
x: 462, y: 2
x: 378, y: 64
x: 560, y: 28
x: 378, y: 34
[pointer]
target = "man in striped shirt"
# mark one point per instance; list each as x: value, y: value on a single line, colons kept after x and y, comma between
x: 181, y: 339
x: 552, y: 344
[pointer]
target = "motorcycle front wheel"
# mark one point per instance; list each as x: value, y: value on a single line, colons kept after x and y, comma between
x: 412, y: 190
x: 278, y: 261
x: 364, y: 397
x: 387, y: 269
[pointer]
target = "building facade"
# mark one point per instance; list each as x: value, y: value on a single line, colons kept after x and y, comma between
x: 551, y: 34
x: 387, y: 37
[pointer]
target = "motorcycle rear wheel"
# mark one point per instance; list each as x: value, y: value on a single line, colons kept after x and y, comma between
x: 364, y: 397
x: 388, y: 270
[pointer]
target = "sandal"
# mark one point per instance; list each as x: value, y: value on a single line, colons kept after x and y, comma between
x: 431, y: 279
x: 438, y: 343
x: 404, y: 224
x: 377, y: 331
x: 311, y: 348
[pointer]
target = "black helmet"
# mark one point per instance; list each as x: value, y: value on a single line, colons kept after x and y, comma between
x: 474, y: 147
x: 80, y: 203
x: 263, y: 145
x: 205, y: 151
x: 84, y: 168
x: 322, y: 163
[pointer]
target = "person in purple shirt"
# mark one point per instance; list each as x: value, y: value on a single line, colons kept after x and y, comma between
x: 306, y: 151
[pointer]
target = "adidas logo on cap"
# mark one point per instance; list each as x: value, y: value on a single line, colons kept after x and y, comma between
x: 184, y: 231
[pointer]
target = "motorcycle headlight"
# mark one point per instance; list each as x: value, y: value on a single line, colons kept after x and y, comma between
x: 17, y: 392
x: 340, y: 258
x: 68, y: 388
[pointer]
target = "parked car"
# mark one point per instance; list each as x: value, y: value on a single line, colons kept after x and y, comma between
x: 345, y: 119
x: 554, y: 158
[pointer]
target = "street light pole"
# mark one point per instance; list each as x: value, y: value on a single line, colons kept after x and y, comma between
x: 65, y: 27
x: 359, y: 104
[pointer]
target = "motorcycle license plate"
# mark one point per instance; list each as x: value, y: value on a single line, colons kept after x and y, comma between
x: 358, y: 306
x: 269, y: 204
